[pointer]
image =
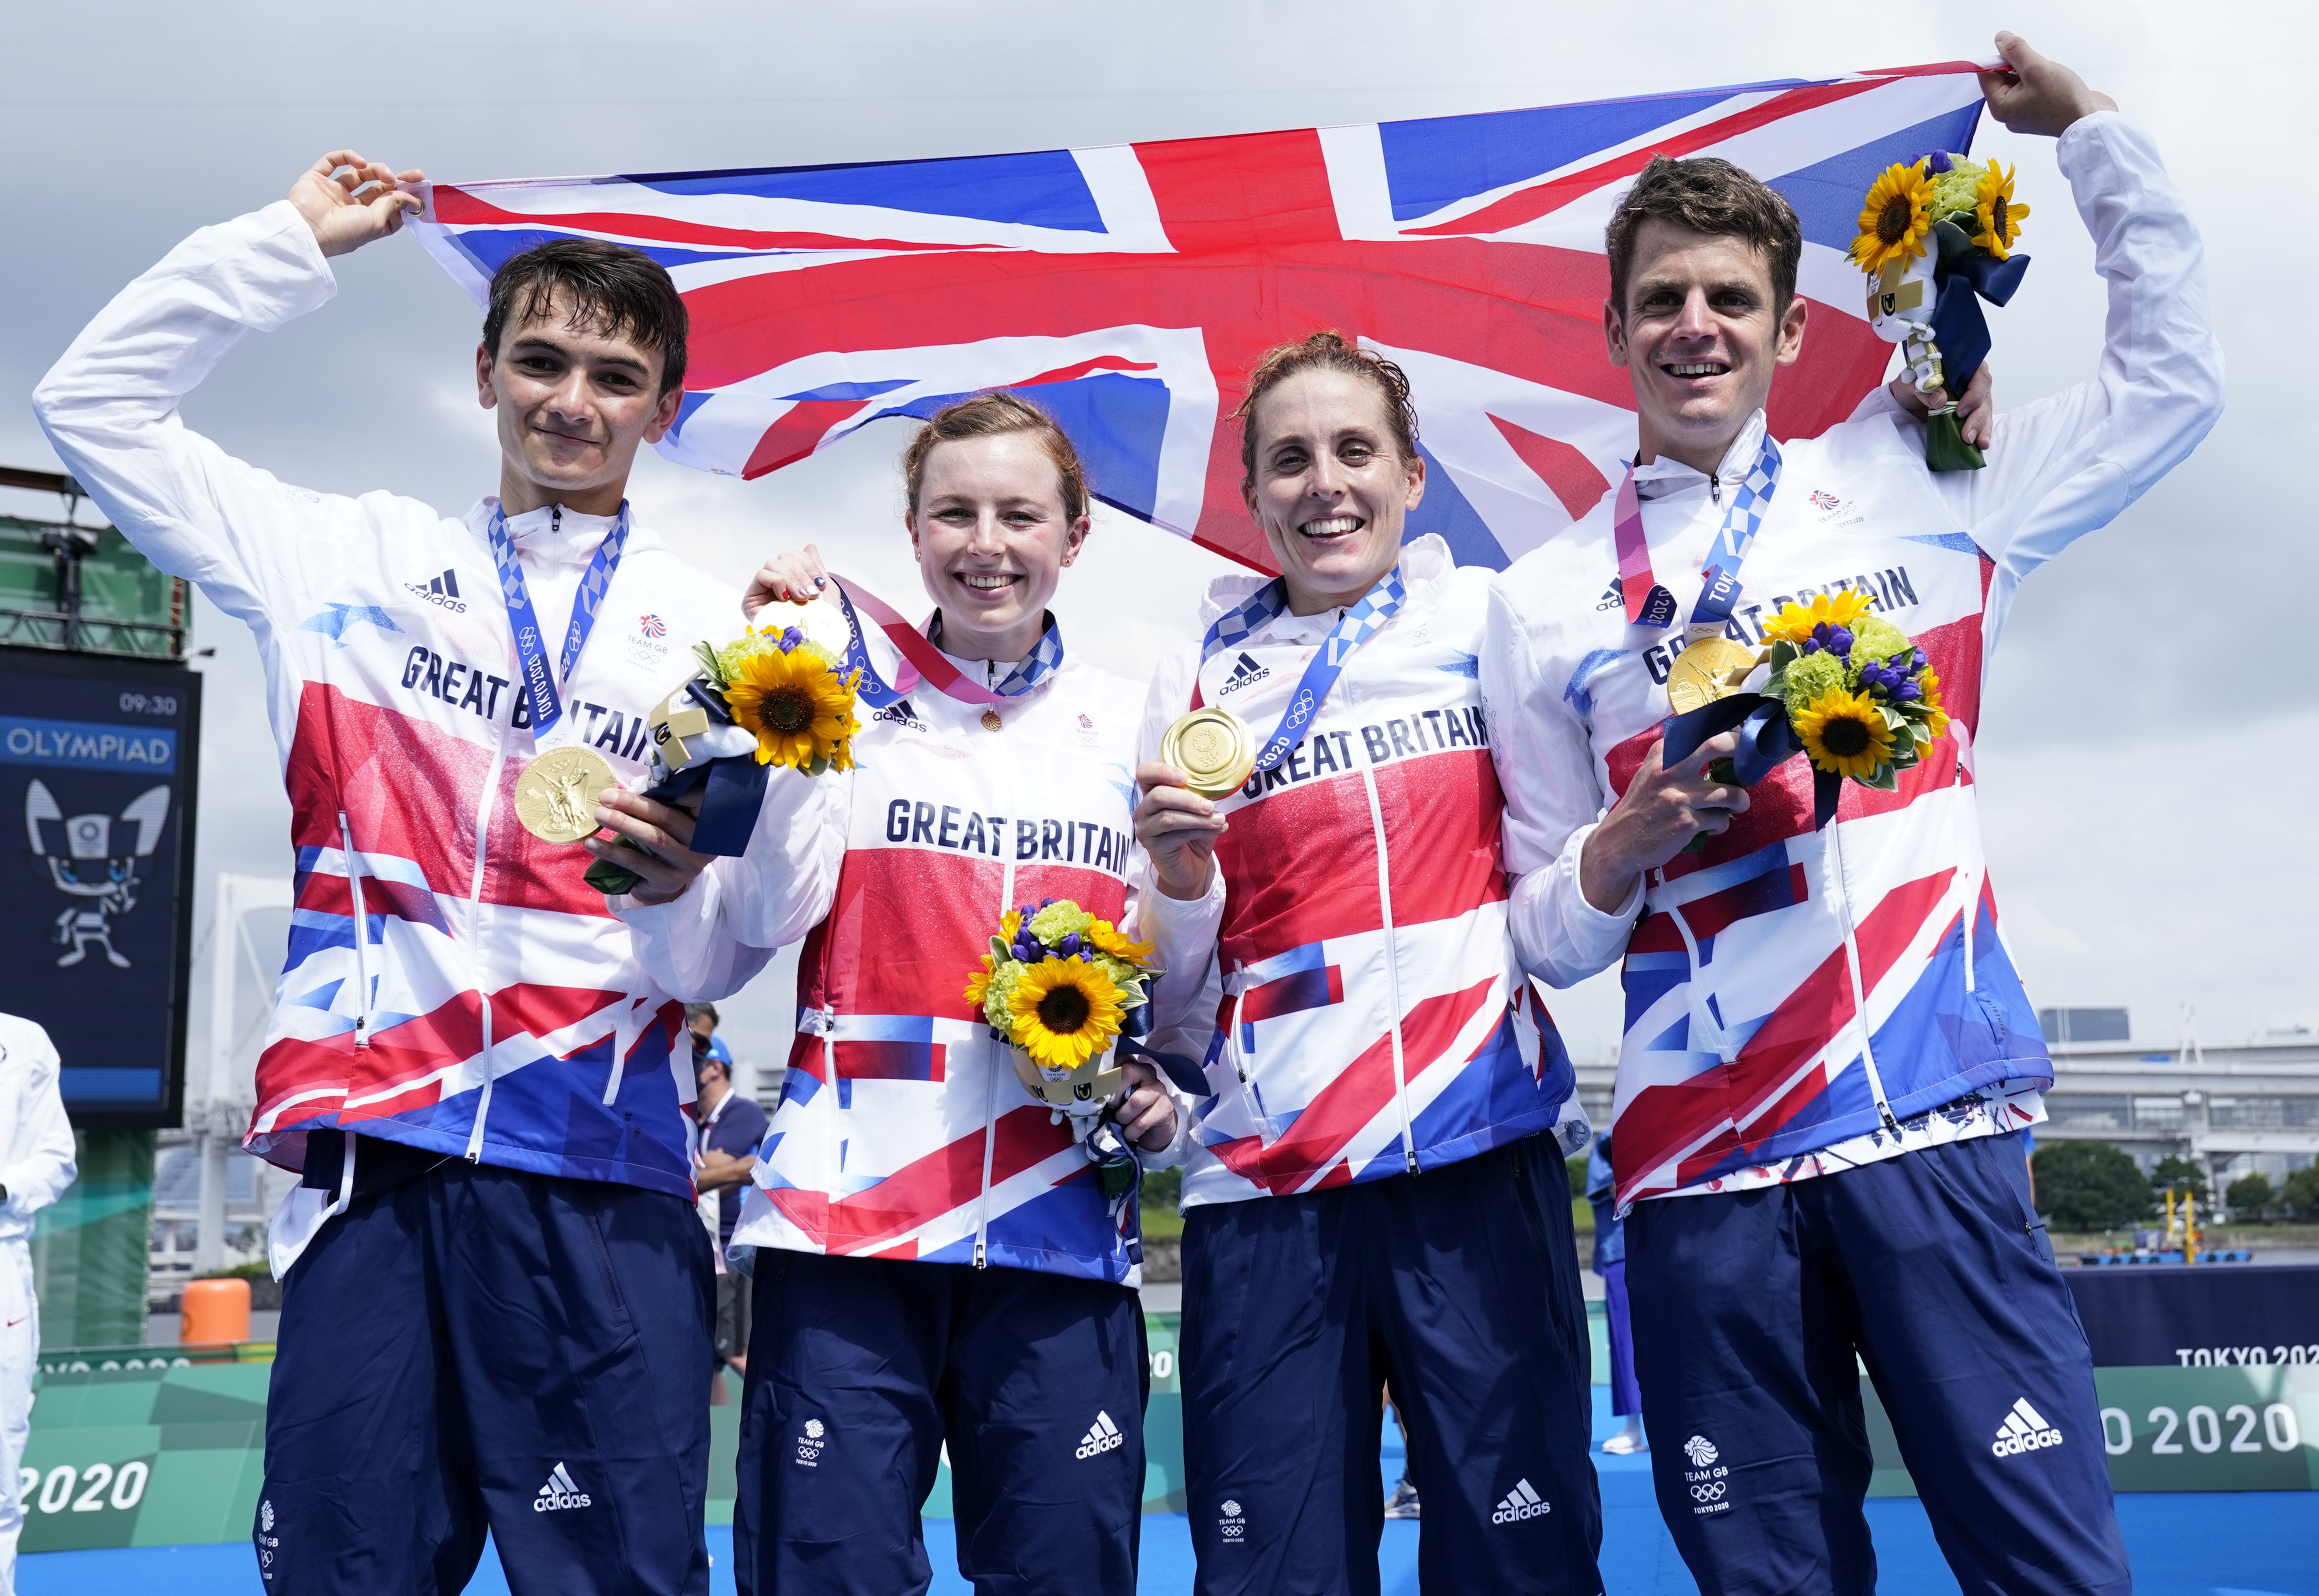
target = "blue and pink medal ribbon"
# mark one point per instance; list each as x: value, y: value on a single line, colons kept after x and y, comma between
x: 1648, y: 603
x: 544, y: 688
x: 922, y: 661
x: 1355, y: 626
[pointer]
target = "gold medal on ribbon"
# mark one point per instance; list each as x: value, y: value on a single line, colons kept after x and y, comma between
x: 1213, y: 748
x: 556, y: 796
x: 1711, y: 668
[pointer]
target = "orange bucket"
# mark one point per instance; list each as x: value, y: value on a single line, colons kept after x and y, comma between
x: 214, y: 1311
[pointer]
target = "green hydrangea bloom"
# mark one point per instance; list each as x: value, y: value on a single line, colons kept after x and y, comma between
x: 1955, y: 190
x: 1812, y: 676
x: 1874, y: 638
x: 997, y: 1001
x: 1123, y: 976
x: 1057, y: 921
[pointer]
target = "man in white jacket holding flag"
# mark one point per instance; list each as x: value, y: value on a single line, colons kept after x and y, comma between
x: 496, y: 1297
x: 1829, y: 1056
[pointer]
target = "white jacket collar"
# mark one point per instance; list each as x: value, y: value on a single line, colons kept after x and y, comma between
x: 1666, y: 474
x: 1424, y: 562
x: 551, y: 535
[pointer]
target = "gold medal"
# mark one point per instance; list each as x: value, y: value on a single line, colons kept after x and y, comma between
x: 1213, y: 748
x: 1711, y: 668
x: 556, y: 796
x: 991, y: 721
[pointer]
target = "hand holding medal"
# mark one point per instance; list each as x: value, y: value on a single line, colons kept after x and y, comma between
x: 1846, y: 688
x: 774, y: 695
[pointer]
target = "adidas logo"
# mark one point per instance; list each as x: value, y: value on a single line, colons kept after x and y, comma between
x: 2024, y: 1430
x: 1103, y: 1438
x: 443, y: 589
x: 1521, y: 1503
x: 560, y: 1492
x: 1614, y: 596
x: 1245, y: 672
x: 900, y: 713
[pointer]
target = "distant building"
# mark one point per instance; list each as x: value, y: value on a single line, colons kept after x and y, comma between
x: 2084, y: 1024
x: 2236, y: 1109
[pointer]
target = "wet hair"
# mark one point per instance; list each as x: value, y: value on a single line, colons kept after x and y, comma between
x: 608, y: 289
x: 1707, y: 194
x: 991, y: 415
x: 1326, y: 351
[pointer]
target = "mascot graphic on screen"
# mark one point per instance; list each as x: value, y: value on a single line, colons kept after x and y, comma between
x: 92, y: 862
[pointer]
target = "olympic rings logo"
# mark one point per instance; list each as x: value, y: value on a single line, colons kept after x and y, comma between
x: 1712, y: 1492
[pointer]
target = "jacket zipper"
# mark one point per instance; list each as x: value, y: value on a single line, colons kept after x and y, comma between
x: 1392, y: 968
x: 486, y: 803
x: 998, y: 1049
x: 1851, y: 962
x: 362, y: 933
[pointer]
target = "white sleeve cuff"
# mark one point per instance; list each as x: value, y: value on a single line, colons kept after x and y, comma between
x: 1183, y: 933
x: 679, y: 943
x: 1559, y: 936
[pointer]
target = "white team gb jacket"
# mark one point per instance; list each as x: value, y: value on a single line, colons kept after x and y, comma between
x: 1791, y: 991
x: 902, y: 1130
x: 1373, y: 1018
x: 452, y: 983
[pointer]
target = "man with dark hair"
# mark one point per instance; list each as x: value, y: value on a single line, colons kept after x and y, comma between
x: 1828, y: 1058
x: 496, y: 1291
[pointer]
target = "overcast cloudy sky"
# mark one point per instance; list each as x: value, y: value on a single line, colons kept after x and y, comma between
x: 2147, y: 748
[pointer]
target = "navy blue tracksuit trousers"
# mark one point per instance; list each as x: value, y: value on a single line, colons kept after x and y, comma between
x: 1748, y: 1308
x: 1460, y: 1287
x: 475, y: 1348
x: 862, y: 1369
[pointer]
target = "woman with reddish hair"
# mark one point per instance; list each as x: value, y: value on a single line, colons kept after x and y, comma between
x: 937, y: 1264
x: 1375, y: 1188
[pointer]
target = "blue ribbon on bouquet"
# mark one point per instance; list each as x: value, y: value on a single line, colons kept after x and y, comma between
x: 735, y: 786
x: 1765, y: 741
x: 1963, y: 276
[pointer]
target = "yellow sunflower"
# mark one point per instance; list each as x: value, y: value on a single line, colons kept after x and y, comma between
x: 977, y: 985
x: 801, y: 710
x: 1794, y: 623
x: 1845, y: 734
x: 1936, y: 720
x: 1993, y: 208
x: 1894, y: 219
x: 1106, y: 939
x: 1065, y: 1010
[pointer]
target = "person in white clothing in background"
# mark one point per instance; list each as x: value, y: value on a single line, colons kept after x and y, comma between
x: 36, y: 1165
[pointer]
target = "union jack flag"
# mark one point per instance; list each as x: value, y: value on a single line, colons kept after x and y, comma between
x: 1129, y: 288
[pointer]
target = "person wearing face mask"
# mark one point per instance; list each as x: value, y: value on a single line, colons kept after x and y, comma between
x: 936, y: 1264
x: 1375, y: 1190
x: 1829, y: 1059
x: 496, y: 1291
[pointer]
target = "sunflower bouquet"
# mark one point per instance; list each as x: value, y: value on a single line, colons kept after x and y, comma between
x: 1062, y: 986
x: 1936, y: 238
x: 1848, y: 689
x: 770, y: 697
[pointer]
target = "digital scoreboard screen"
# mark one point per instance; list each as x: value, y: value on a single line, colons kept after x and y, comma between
x: 98, y: 762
